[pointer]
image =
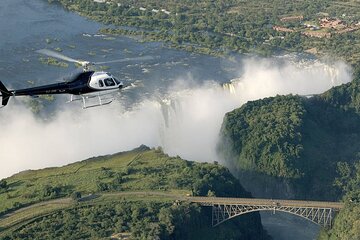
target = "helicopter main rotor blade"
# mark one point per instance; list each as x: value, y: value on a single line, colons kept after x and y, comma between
x: 125, y: 60
x: 57, y: 55
x: 51, y: 53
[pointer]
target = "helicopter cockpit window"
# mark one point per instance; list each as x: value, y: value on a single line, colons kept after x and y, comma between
x: 117, y: 81
x: 101, y: 84
x: 109, y: 82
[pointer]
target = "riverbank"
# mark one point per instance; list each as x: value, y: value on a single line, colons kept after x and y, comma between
x: 237, y: 27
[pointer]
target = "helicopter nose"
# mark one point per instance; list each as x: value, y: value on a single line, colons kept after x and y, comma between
x: 121, y: 85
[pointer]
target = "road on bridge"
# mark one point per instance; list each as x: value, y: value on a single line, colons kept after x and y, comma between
x: 209, y: 201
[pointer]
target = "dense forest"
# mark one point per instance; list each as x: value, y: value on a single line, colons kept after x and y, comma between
x: 297, y: 138
x: 222, y: 27
x: 347, y: 223
x: 107, y: 211
x: 311, y: 143
x: 135, y: 219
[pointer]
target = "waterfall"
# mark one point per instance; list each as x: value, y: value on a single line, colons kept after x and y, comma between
x: 303, y: 77
x: 185, y: 122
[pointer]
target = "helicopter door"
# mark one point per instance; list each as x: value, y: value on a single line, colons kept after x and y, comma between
x: 101, y: 84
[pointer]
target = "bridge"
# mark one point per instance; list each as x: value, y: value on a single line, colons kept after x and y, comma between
x: 223, y: 209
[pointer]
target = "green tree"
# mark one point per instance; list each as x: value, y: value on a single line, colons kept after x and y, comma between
x: 76, y: 196
x: 3, y: 185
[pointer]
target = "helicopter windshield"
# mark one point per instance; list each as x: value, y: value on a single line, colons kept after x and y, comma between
x: 109, y: 82
x: 117, y: 81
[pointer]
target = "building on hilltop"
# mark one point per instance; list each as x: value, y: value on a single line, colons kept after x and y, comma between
x: 165, y: 11
x: 317, y: 34
x: 349, y: 29
x: 334, y: 23
x: 282, y: 29
x: 292, y: 18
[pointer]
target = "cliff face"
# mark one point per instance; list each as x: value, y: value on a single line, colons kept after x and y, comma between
x: 294, y: 139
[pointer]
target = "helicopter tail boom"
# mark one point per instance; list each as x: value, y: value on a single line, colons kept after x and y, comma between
x: 5, y: 94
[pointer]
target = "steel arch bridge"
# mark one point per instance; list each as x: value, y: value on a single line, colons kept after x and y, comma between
x: 223, y: 209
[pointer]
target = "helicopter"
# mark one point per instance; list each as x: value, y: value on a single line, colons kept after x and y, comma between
x: 83, y: 84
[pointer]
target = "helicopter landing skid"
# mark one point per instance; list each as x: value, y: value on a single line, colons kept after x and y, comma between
x: 102, y: 101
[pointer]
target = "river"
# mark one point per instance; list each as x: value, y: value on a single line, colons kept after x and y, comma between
x: 27, y: 26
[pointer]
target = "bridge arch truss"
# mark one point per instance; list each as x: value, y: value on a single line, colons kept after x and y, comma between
x: 318, y: 215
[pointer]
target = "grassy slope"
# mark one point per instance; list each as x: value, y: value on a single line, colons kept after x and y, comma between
x: 112, y: 176
x: 27, y: 187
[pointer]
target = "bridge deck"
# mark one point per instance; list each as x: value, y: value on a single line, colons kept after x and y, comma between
x: 209, y: 201
x: 260, y: 202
